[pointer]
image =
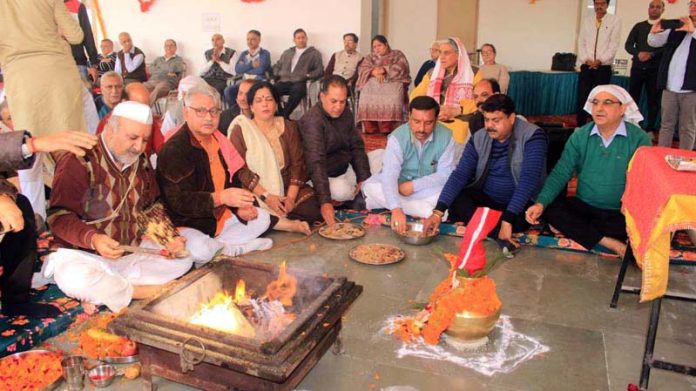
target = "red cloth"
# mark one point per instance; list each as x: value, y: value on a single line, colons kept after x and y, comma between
x: 73, y: 6
x: 472, y: 255
x: 650, y: 182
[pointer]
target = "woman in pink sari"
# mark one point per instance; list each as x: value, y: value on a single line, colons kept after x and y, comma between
x: 383, y: 78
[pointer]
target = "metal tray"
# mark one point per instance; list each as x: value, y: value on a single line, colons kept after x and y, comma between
x: 120, y: 360
x: 372, y: 248
x: 49, y: 387
x: 325, y: 231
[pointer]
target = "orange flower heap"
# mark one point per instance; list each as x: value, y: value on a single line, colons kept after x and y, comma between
x: 31, y: 372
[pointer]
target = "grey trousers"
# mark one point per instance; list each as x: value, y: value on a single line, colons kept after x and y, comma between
x: 678, y: 109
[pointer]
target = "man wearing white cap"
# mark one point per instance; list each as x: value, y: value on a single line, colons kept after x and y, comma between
x: 94, y: 206
x: 598, y: 153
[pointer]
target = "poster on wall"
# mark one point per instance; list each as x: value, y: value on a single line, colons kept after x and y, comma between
x: 211, y: 22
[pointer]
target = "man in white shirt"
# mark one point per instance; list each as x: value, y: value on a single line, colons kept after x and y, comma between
x: 598, y: 42
x: 218, y: 64
x: 417, y: 162
x: 130, y: 61
x: 677, y: 77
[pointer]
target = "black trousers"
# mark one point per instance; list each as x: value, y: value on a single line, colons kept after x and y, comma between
x: 295, y: 92
x: 466, y: 203
x: 584, y: 223
x: 17, y: 255
x: 646, y: 78
x: 589, y: 79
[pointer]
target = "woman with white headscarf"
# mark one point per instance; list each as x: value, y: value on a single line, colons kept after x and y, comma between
x: 598, y: 154
x: 451, y: 84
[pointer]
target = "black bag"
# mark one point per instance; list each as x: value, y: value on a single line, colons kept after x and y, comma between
x: 563, y: 62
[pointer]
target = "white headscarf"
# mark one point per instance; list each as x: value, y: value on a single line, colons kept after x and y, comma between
x: 632, y: 113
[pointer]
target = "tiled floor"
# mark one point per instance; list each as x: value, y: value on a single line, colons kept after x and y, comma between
x: 560, y: 299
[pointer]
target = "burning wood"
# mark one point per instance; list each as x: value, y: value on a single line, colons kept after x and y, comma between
x: 263, y: 318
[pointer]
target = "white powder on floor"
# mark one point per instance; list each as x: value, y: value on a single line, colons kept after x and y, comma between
x: 505, y: 350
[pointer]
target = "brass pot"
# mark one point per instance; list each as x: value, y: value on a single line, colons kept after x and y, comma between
x: 469, y: 326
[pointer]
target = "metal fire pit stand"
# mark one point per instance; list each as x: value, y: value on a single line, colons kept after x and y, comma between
x: 648, y: 361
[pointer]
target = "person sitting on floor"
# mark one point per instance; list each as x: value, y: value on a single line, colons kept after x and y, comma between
x: 240, y: 107
x: 111, y: 93
x: 417, y: 162
x: 165, y: 72
x: 482, y: 91
x: 18, y: 243
x: 383, y: 77
x: 502, y: 168
x: 94, y: 207
x: 130, y: 61
x: 275, y: 166
x: 334, y: 149
x: 598, y: 153
x: 345, y: 63
x: 198, y: 172
x: 295, y: 67
x: 450, y: 83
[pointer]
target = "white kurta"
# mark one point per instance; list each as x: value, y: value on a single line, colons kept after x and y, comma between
x: 97, y: 280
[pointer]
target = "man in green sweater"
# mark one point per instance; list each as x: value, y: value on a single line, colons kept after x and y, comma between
x: 598, y: 153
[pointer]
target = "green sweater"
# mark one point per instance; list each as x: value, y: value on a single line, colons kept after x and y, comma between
x: 601, y: 171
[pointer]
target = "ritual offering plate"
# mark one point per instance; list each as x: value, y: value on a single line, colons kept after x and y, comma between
x: 342, y: 231
x: 31, y: 370
x: 377, y: 254
x: 681, y: 163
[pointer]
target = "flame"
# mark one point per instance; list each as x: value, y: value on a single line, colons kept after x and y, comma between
x: 284, y: 288
x: 222, y: 314
x: 240, y: 296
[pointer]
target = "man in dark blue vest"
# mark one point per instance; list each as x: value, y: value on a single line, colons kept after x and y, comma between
x: 502, y: 168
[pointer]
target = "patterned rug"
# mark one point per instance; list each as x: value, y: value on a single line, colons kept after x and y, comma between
x: 19, y: 333
x: 683, y: 251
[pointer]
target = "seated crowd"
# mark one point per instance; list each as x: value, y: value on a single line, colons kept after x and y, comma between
x: 227, y: 173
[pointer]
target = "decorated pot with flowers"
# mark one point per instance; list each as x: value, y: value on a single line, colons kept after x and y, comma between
x: 464, y: 305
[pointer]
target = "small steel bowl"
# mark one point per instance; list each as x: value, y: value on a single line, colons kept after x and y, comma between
x: 102, y: 375
x: 414, y: 235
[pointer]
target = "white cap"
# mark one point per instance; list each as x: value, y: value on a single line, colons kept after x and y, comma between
x: 135, y: 111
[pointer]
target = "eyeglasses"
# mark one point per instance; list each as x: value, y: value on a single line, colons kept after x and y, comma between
x: 605, y: 102
x: 201, y: 112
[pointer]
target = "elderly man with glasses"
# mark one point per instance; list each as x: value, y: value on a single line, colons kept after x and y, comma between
x: 598, y: 153
x: 198, y: 172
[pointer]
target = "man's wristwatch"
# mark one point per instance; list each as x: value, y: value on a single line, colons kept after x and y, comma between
x: 263, y: 196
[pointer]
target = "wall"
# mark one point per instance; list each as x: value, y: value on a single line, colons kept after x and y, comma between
x: 411, y: 27
x: 459, y: 19
x: 182, y: 20
x: 527, y: 35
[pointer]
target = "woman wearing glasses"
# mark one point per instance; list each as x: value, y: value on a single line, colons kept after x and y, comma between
x: 275, y: 167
